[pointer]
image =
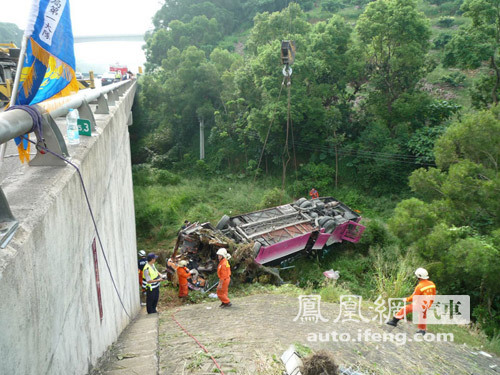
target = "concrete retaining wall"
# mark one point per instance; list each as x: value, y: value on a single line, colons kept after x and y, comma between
x: 49, y: 315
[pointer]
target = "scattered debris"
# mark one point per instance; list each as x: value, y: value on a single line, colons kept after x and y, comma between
x: 331, y: 274
x: 291, y: 360
x: 321, y: 362
x: 485, y: 354
x: 126, y: 355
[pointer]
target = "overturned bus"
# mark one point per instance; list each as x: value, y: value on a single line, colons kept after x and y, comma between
x: 262, y: 239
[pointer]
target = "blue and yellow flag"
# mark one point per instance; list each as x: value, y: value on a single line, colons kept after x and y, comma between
x: 49, y: 64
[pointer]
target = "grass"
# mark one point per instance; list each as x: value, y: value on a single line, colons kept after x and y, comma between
x: 161, y: 210
x: 230, y: 41
x: 471, y: 336
x: 351, y: 13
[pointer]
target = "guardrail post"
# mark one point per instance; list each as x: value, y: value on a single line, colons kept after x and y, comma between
x: 54, y: 141
x: 113, y: 97
x: 102, y: 105
x: 85, y: 112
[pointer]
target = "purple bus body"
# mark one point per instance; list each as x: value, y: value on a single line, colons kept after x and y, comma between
x: 282, y: 231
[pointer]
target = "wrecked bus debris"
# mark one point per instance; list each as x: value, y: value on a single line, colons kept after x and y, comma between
x: 262, y: 239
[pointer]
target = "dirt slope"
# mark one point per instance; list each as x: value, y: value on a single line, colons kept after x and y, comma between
x: 244, y: 339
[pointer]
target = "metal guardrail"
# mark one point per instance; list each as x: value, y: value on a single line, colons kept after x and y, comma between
x: 17, y: 122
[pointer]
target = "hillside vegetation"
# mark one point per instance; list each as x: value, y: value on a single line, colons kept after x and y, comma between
x: 9, y: 32
x: 393, y: 109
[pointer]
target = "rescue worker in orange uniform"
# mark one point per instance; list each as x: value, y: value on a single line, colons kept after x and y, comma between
x: 224, y: 273
x: 183, y: 274
x: 314, y: 193
x: 425, y: 288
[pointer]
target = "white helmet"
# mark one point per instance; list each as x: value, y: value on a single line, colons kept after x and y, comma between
x: 222, y: 251
x: 422, y: 273
x: 142, y: 253
x: 183, y: 263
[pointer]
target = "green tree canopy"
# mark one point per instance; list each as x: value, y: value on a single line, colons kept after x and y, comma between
x: 396, y: 37
x: 478, y: 42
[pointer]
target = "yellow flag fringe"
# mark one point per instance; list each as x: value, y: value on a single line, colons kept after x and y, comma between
x: 28, y: 80
x: 50, y: 61
x: 24, y: 155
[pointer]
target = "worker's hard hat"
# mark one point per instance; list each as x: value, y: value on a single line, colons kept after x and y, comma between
x: 422, y: 273
x: 142, y: 253
x: 222, y: 251
x: 183, y: 263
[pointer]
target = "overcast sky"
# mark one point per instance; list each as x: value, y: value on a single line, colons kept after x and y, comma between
x: 93, y: 17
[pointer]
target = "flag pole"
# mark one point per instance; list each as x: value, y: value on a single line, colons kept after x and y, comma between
x: 15, y: 88
x: 24, y: 44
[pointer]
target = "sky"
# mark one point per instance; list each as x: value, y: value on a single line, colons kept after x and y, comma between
x: 99, y: 17
x: 93, y: 17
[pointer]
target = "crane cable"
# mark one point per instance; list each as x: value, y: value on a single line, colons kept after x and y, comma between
x: 268, y: 131
x: 286, y: 148
x: 287, y: 72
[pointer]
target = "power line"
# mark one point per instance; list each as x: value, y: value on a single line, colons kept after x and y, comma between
x: 363, y: 154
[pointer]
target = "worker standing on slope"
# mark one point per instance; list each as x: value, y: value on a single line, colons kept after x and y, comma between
x: 183, y: 274
x: 224, y: 273
x: 314, y: 193
x: 152, y: 280
x: 426, y: 288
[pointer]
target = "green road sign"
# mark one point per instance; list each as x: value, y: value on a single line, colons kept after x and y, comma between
x: 84, y: 127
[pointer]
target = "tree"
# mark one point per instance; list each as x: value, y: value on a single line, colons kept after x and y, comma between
x: 396, y: 37
x: 199, y: 32
x: 478, y: 42
x: 455, y: 225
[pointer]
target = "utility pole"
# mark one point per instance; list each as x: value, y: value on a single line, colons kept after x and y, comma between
x: 202, y: 138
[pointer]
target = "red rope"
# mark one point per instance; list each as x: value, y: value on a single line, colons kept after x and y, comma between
x: 199, y: 343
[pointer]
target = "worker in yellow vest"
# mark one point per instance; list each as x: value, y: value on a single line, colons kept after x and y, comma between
x: 151, y: 282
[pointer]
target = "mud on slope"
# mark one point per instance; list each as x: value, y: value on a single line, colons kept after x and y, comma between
x: 244, y: 339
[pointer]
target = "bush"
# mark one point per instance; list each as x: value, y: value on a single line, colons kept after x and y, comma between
x: 141, y: 175
x: 392, y: 272
x: 454, y: 79
x: 451, y: 7
x: 376, y: 234
x: 144, y: 175
x: 318, y: 175
x: 442, y: 40
x: 163, y: 177
x: 445, y: 21
x: 332, y: 5
x: 274, y: 197
x: 306, y: 5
